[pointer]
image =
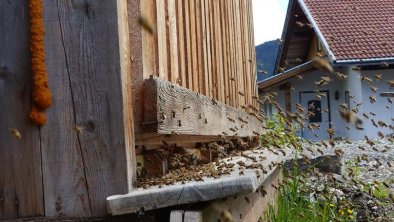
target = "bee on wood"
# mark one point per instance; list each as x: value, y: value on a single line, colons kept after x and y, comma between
x: 16, y: 133
x: 146, y: 24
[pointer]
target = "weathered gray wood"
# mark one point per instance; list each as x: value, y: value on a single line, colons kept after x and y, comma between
x: 199, y: 191
x: 193, y: 216
x: 245, y: 207
x: 171, y: 109
x: 64, y: 177
x: 20, y: 171
x: 176, y: 216
x: 82, y: 167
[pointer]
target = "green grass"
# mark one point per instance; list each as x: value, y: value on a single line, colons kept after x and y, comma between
x: 294, y: 205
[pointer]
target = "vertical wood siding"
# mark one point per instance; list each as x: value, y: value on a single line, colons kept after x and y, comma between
x: 204, y: 45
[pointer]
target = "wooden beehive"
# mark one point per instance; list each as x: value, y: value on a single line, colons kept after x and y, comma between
x: 99, y: 63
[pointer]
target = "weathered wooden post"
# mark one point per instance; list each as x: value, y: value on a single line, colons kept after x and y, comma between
x: 85, y: 151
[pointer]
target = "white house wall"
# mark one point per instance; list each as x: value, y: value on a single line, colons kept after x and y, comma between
x: 382, y: 113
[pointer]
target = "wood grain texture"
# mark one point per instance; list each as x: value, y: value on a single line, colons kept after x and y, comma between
x: 20, y: 159
x: 162, y: 39
x: 127, y: 93
x: 170, y: 109
x: 203, y: 45
x: 82, y: 167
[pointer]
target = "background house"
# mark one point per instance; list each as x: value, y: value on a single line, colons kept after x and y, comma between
x: 357, y: 39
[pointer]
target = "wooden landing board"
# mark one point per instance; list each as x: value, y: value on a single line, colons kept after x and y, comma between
x: 171, y: 109
x: 245, y: 207
x: 200, y: 191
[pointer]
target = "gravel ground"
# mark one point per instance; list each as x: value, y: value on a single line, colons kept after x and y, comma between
x: 367, y: 180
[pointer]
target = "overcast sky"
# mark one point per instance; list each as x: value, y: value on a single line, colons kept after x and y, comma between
x: 268, y: 18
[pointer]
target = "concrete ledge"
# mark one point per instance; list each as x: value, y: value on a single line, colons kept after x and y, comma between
x: 197, y: 191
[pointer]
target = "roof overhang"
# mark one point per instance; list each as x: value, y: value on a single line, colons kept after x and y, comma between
x: 283, y: 77
x: 371, y: 61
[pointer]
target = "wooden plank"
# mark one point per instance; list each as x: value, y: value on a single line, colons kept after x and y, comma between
x: 245, y: 207
x: 127, y: 92
x: 205, y: 50
x: 219, y: 58
x: 149, y: 45
x: 208, y: 49
x: 173, y: 41
x: 176, y: 215
x: 137, y: 57
x: 64, y: 177
x: 199, y: 52
x: 181, y: 42
x: 223, y: 25
x: 234, y: 88
x: 253, y: 55
x: 162, y: 39
x: 171, y: 109
x: 86, y: 51
x: 193, y: 37
x: 157, y: 139
x: 189, y: 70
x: 193, y: 216
x: 213, y: 79
x: 20, y: 159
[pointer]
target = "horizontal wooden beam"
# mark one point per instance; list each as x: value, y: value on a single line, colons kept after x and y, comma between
x: 157, y: 139
x: 171, y: 109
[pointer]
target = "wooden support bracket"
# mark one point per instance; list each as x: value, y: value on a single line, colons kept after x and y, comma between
x: 171, y: 109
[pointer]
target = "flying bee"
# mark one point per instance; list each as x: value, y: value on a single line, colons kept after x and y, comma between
x: 382, y: 123
x: 356, y: 68
x: 332, y: 143
x: 16, y: 133
x: 365, y: 79
x: 372, y: 99
x: 390, y: 83
x: 378, y: 77
x: 353, y: 118
x: 384, y: 65
x: 262, y: 71
x: 300, y: 24
x: 374, y: 89
x: 341, y: 76
x: 322, y: 65
x: 338, y: 152
x: 146, y: 24
x: 331, y: 131
x: 299, y: 77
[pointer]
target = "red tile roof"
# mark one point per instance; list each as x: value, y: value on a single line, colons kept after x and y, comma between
x: 355, y: 29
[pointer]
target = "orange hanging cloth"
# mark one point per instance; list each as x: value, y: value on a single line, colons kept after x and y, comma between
x: 42, y: 97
